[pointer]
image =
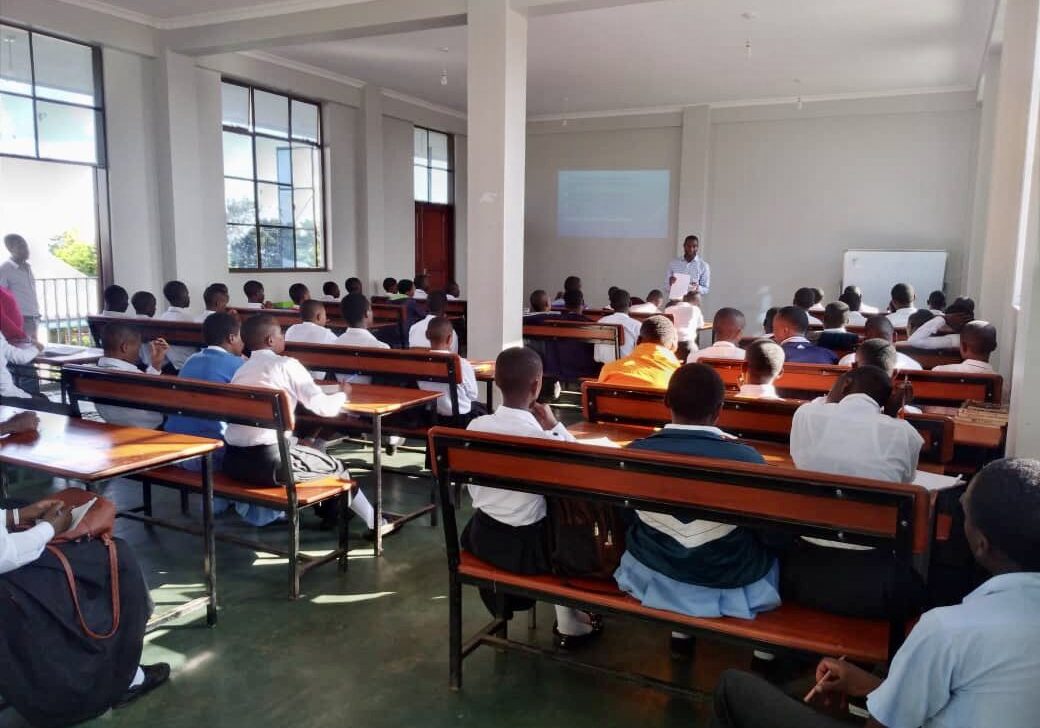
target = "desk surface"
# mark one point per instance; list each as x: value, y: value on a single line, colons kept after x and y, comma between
x: 485, y: 370
x: 89, y: 451
x: 377, y: 399
x: 969, y: 433
x: 88, y: 355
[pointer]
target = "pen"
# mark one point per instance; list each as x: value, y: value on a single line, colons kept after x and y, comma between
x: 816, y: 688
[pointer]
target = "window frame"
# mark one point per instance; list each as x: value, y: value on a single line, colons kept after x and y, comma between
x: 450, y: 169
x: 252, y: 134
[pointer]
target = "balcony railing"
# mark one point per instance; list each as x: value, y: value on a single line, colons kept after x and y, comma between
x: 65, y: 304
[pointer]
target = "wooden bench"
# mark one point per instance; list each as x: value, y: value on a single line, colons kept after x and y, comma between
x: 892, y: 516
x: 287, y: 317
x: 234, y: 404
x: 176, y: 333
x: 548, y: 331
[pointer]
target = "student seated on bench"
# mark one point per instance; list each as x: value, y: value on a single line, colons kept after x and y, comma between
x: 122, y: 351
x: 330, y: 291
x: 144, y: 304
x: 765, y: 363
x: 417, y: 332
x: 176, y: 294
x: 818, y: 295
x: 881, y: 354
x: 971, y: 664
x: 311, y: 328
x: 789, y: 328
x: 390, y: 288
x: 978, y: 342
x: 353, y: 285
x: 688, y: 320
x: 767, y: 322
x: 298, y: 293
x: 439, y: 335
x: 255, y: 297
x: 880, y: 327
x: 918, y: 319
x: 683, y: 563
x: 357, y: 312
x: 620, y: 302
x: 655, y: 302
x: 215, y: 297
x: 652, y: 362
x: 509, y: 529
x: 853, y: 298
x: 834, y: 335
x: 902, y: 304
x: 539, y: 306
x: 570, y: 283
x: 847, y: 433
x: 452, y: 291
x: 943, y: 331
x: 407, y: 299
x: 726, y: 330
x: 117, y: 301
x: 15, y: 355
x: 805, y: 299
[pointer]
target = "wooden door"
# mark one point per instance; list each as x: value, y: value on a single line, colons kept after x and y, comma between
x: 435, y: 243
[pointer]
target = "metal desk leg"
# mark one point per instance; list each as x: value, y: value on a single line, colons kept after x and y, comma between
x: 209, y: 562
x: 377, y: 466
x: 490, y: 397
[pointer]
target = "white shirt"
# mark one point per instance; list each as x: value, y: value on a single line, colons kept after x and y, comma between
x: 23, y: 547
x: 450, y: 297
x: 420, y: 295
x: 643, y: 308
x: 688, y: 320
x: 310, y: 333
x: 968, y: 366
x: 813, y: 321
x: 117, y: 314
x: 718, y: 350
x: 365, y: 339
x: 509, y: 506
x: 13, y: 355
x: 856, y: 318
x: 758, y: 391
x: 177, y: 355
x: 900, y: 317
x: 839, y: 330
x: 604, y: 353
x: 203, y: 316
x: 127, y: 416
x: 698, y: 270
x: 902, y: 361
x: 970, y: 665
x: 330, y: 299
x: 926, y: 338
x: 868, y: 310
x: 19, y: 280
x: 267, y: 369
x: 417, y: 335
x: 467, y: 391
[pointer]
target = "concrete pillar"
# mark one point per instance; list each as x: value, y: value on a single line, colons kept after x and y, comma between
x: 496, y: 138
x: 370, y: 191
x: 983, y: 171
x: 693, y: 176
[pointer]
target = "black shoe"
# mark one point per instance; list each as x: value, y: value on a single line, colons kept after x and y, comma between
x: 682, y: 647
x: 596, y: 621
x: 154, y: 676
x: 572, y: 642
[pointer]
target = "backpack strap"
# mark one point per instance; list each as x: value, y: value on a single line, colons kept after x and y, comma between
x: 70, y: 577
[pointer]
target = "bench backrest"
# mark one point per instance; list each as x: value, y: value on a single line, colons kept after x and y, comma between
x: 585, y: 331
x: 176, y: 333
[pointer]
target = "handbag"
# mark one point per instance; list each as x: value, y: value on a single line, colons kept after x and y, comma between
x: 588, y: 538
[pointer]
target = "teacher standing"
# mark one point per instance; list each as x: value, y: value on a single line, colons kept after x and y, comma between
x: 693, y: 265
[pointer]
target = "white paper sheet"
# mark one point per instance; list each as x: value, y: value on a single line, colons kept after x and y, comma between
x: 79, y: 511
x: 935, y: 481
x: 680, y: 287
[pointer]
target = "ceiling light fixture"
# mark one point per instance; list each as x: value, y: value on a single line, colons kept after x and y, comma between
x: 749, y: 16
x: 444, y: 69
x: 798, y: 101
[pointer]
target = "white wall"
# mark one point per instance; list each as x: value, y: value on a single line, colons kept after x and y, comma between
x: 399, y: 199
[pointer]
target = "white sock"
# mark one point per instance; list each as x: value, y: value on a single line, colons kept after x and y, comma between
x: 363, y: 508
x: 138, y: 678
x: 571, y: 622
x: 681, y: 636
x: 763, y: 655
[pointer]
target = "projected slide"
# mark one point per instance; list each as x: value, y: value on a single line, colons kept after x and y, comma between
x: 612, y: 203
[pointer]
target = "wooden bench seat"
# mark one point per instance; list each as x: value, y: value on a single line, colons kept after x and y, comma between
x: 307, y: 494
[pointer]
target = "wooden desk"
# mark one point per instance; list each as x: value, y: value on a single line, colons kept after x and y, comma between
x: 92, y: 452
x: 969, y: 433
x: 86, y: 355
x: 485, y: 371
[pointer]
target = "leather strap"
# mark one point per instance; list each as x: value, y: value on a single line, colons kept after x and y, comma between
x: 70, y: 577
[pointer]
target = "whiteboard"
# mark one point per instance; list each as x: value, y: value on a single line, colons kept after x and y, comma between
x: 876, y: 271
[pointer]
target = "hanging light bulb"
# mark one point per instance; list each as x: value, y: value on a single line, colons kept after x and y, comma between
x: 444, y: 69
x: 749, y: 16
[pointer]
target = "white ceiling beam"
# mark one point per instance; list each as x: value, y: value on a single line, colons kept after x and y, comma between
x: 555, y: 7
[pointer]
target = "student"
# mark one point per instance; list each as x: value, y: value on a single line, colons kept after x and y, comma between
x: 978, y: 342
x: 880, y: 327
x: 390, y: 288
x: 144, y: 304
x: 726, y: 330
x: 655, y: 300
x: 215, y: 297
x: 122, y: 351
x: 971, y: 664
x: 620, y: 302
x: 767, y: 322
x: 453, y: 291
x: 15, y: 355
x: 353, y: 285
x: 539, y: 302
x: 882, y: 354
x: 357, y: 312
x: 834, y: 335
x: 509, y: 529
x: 652, y: 362
x: 863, y: 308
x: 421, y: 283
x: 848, y: 433
x: 298, y: 293
x: 439, y: 334
x: 805, y: 299
x: 330, y: 291
x: 176, y: 293
x: 117, y: 301
x: 852, y: 298
x: 937, y: 302
x: 682, y: 563
x: 817, y: 306
x: 918, y: 319
x: 942, y: 331
x: 255, y: 297
x: 417, y: 331
x: 902, y: 304
x: 789, y: 328
x: 570, y: 283
x: 688, y: 320
x: 312, y: 327
x: 765, y: 363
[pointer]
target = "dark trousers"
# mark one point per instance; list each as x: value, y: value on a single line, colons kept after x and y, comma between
x: 520, y: 549
x: 259, y: 465
x: 743, y: 700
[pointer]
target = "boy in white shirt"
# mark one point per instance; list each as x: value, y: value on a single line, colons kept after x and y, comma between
x: 902, y: 304
x: 331, y: 291
x: 440, y: 333
x: 144, y: 304
x: 255, y: 297
x: 620, y: 301
x: 509, y: 528
x: 805, y: 298
x: 15, y: 355
x: 122, y: 346
x: 216, y: 299
x: 417, y: 331
x: 765, y: 364
x: 357, y: 312
x: 421, y: 294
x: 117, y: 301
x: 176, y: 294
x: 298, y: 293
x: 880, y: 327
x: 853, y: 298
x: 655, y: 300
x: 688, y: 320
x: 978, y: 342
x: 942, y: 331
x: 311, y: 329
x: 453, y: 291
x: 726, y: 330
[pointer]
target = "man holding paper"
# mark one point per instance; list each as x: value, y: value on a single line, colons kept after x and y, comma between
x: 689, y: 273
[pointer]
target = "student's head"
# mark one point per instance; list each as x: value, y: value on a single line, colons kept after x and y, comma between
x: 879, y: 327
x: 571, y: 283
x: 656, y: 297
x: 121, y: 342
x: 978, y: 340
x: 437, y: 302
x: 223, y: 330
x: 116, y: 298
x: 440, y: 332
x: 659, y: 330
x: 620, y: 300
x: 728, y: 325
x: 1002, y: 516
x: 804, y: 298
x: 263, y: 332
x: 17, y: 247
x: 877, y: 353
x: 852, y: 298
x: 143, y: 303
x: 352, y: 285
x: 390, y: 285
x: 453, y: 289
x: 691, y: 246
x: 299, y: 293
x: 177, y: 294
x: 853, y: 289
x: 695, y: 395
x: 790, y: 321
x: 937, y: 301
x: 817, y: 294
x: 405, y: 287
x: 768, y: 319
x: 314, y: 312
x: 215, y: 297
x: 518, y: 373
x: 693, y: 298
x: 573, y: 300
x: 959, y: 313
x: 539, y: 301
x: 918, y: 319
x: 331, y: 289
x: 835, y: 315
x: 421, y: 281
x: 868, y: 380
x: 356, y: 310
x: 610, y: 291
x: 254, y: 291
x: 902, y: 296
x: 765, y: 362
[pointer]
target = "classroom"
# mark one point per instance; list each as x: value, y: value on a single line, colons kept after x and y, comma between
x: 520, y: 363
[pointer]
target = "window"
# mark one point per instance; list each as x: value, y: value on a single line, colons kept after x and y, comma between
x: 50, y: 98
x: 273, y: 199
x: 434, y: 167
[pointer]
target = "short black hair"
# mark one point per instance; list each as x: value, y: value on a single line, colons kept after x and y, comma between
x: 330, y: 288
x: 877, y: 353
x: 573, y: 298
x: 253, y: 288
x: 256, y: 329
x: 767, y: 320
x: 795, y: 316
x: 765, y: 358
x: 610, y: 291
x: 852, y: 298
x: 220, y: 287
x: 695, y: 393
x: 436, y: 302
x: 352, y: 285
x: 804, y: 298
x: 903, y: 294
x: 871, y: 381
x: 115, y: 334
x: 297, y: 291
x: 962, y: 305
x: 389, y: 284
x: 937, y: 300
x: 404, y: 286
x: 142, y: 300
x: 658, y: 330
x: 421, y: 280
x: 919, y: 318
x: 729, y: 321
x: 175, y: 291
x: 438, y: 329
x: 572, y: 283
x: 979, y: 337
x: 817, y: 295
x: 116, y: 298
x: 217, y: 328
x: 354, y: 306
x: 835, y: 315
x: 539, y: 299
x: 1005, y: 506
x: 309, y: 309
x: 655, y: 295
x: 213, y: 290
x: 516, y: 369
x: 620, y: 300
x: 879, y: 327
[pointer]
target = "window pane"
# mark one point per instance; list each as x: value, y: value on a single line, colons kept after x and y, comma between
x: 304, y: 121
x: 275, y: 203
x: 234, y: 101
x: 64, y: 70
x: 16, y: 126
x: 439, y: 151
x: 15, y: 69
x: 241, y: 241
x: 67, y: 132
x: 273, y: 161
x: 306, y: 249
x: 276, y: 248
x: 304, y: 166
x: 422, y: 190
x: 440, y: 186
x: 239, y: 202
x: 421, y: 152
x: 303, y: 203
x: 238, y: 155
x: 272, y: 113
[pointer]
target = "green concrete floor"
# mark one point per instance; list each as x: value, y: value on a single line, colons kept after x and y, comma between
x: 370, y: 647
